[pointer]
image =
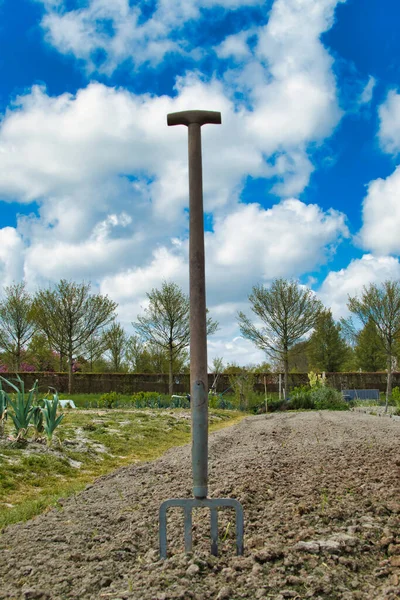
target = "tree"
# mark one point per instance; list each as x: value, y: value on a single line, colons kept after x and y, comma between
x: 327, y: 350
x: 381, y: 305
x: 369, y: 351
x: 165, y: 323
x: 288, y: 311
x: 93, y: 350
x: 68, y: 315
x: 16, y: 322
x: 144, y: 357
x: 298, y: 359
x: 40, y: 353
x: 115, y: 340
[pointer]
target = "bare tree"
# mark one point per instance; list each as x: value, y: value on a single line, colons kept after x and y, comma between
x: 94, y: 349
x: 16, y: 321
x: 165, y: 323
x: 115, y: 340
x: 288, y: 311
x: 381, y: 305
x: 69, y: 315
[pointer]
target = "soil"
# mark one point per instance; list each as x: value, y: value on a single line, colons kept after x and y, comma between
x: 321, y: 496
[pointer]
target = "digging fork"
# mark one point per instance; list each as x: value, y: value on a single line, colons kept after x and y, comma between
x: 194, y: 119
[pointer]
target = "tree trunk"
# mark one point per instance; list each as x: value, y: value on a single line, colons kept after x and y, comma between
x: 286, y: 367
x: 389, y: 381
x: 170, y: 373
x: 18, y: 357
x: 70, y: 361
x: 61, y: 362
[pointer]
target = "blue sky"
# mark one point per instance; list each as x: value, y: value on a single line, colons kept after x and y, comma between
x: 300, y: 180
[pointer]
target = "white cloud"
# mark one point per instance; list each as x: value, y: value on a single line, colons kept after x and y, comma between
x: 389, y: 130
x: 236, y: 45
x: 338, y: 285
x: 368, y: 91
x: 287, y: 239
x: 122, y: 31
x: 381, y: 215
x: 11, y: 256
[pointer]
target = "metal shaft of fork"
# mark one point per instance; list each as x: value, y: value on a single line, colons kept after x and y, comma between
x: 198, y: 318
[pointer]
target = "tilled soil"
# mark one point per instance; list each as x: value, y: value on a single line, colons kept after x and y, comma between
x: 321, y: 495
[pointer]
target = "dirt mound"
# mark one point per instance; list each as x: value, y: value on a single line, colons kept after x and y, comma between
x: 321, y: 496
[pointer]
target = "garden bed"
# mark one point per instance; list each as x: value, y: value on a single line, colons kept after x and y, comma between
x: 320, y: 492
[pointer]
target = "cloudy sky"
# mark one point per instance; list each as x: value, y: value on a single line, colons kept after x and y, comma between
x: 301, y: 180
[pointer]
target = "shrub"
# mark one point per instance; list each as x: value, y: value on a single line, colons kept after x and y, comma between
x: 326, y: 398
x: 396, y: 396
x: 109, y: 400
x: 301, y: 398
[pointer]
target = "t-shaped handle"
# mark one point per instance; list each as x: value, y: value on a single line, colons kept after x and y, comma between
x: 201, y: 117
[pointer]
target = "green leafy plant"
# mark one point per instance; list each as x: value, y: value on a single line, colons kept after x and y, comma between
x: 326, y: 398
x: 22, y: 407
x: 301, y: 398
x: 51, y: 421
x: 396, y: 398
x: 110, y: 400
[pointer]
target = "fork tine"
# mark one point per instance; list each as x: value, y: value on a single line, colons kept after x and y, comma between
x: 188, y: 528
x: 163, y: 529
x: 214, y: 532
x: 239, y: 529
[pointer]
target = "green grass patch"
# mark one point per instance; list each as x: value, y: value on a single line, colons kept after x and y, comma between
x: 88, y: 444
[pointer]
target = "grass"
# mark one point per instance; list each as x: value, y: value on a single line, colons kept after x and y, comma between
x: 90, y: 444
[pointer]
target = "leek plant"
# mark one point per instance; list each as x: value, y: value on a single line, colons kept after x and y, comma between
x: 51, y: 421
x: 37, y: 418
x: 22, y: 407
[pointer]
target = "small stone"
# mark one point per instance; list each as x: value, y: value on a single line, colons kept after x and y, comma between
x: 331, y: 546
x: 225, y: 593
x: 312, y: 547
x: 345, y: 540
x: 394, y: 580
x: 192, y: 570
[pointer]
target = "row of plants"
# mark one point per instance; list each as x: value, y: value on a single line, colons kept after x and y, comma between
x: 317, y: 398
x: 27, y: 409
x: 153, y: 400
